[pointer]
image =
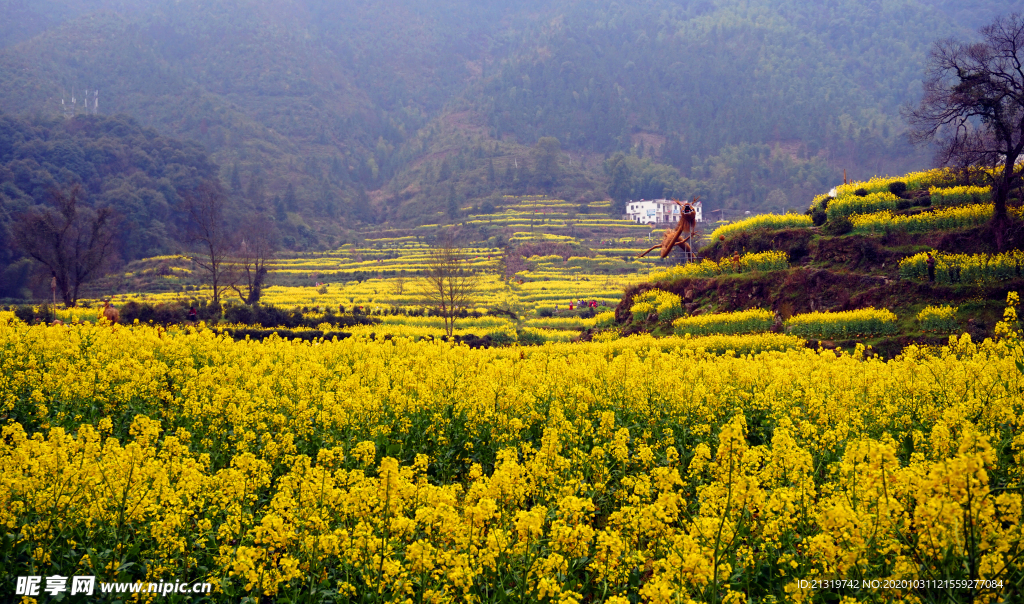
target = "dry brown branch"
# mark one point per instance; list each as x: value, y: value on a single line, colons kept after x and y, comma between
x: 674, y: 237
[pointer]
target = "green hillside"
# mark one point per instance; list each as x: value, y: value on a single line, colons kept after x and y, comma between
x: 139, y: 173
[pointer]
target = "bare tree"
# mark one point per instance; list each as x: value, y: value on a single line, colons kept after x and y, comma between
x: 973, y: 108
x: 210, y: 236
x: 400, y: 283
x: 250, y: 263
x: 72, y: 240
x: 449, y: 283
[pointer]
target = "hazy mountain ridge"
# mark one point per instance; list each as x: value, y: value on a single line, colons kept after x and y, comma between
x: 354, y: 106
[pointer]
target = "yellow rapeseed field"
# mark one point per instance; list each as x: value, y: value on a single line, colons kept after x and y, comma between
x: 636, y: 469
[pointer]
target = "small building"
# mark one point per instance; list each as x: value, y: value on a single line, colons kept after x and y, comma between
x: 657, y: 211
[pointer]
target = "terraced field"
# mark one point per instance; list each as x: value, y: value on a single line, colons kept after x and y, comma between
x: 382, y: 275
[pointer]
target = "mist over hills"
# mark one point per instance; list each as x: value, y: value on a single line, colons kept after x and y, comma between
x: 365, y: 111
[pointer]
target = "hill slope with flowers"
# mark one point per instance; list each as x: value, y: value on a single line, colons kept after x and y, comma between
x: 866, y: 247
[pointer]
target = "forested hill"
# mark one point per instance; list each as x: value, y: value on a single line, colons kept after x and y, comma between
x: 368, y: 110
x: 118, y: 163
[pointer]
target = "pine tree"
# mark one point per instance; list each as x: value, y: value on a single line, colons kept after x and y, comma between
x: 236, y: 180
x: 453, y: 203
x: 279, y: 211
x: 545, y: 162
x: 290, y: 200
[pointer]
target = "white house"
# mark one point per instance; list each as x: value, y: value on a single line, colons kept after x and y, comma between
x: 657, y: 211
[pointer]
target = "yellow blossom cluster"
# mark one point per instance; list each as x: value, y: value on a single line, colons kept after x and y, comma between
x: 666, y: 304
x: 962, y: 195
x: 762, y: 221
x: 755, y: 320
x: 955, y: 217
x: 855, y: 204
x: 749, y: 262
x: 843, y: 324
x: 876, y: 184
x: 940, y: 319
x: 636, y: 469
x: 972, y: 269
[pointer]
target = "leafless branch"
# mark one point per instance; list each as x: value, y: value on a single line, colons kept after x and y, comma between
x: 973, y: 106
x: 449, y: 283
x: 71, y: 239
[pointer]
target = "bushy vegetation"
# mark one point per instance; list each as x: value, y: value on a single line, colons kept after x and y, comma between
x: 912, y: 181
x: 844, y: 207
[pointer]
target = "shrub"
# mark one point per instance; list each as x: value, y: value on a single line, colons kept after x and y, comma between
x: 529, y: 337
x: 605, y: 336
x: 913, y: 180
x: 166, y: 313
x: 742, y: 344
x: 971, y: 269
x: 861, y: 192
x: 763, y: 261
x: 25, y: 313
x: 841, y: 225
x: 821, y: 201
x: 505, y: 337
x: 287, y: 334
x: 898, y: 187
x: 605, y: 319
x: 818, y: 215
x: 540, y: 335
x: 937, y: 220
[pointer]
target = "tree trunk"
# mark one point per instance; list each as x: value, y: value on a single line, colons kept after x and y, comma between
x: 1000, y: 193
x: 1001, y: 188
x: 65, y: 291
